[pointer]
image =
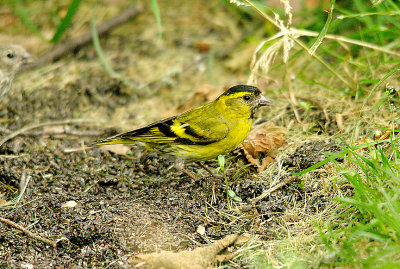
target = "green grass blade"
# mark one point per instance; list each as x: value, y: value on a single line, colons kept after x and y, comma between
x: 157, y: 15
x: 66, y: 21
x: 322, y: 34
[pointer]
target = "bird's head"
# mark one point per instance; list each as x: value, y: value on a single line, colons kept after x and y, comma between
x: 12, y: 57
x: 243, y: 100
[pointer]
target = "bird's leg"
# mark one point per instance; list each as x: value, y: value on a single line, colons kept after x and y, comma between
x: 180, y: 165
x: 205, y: 167
x: 215, y: 176
x: 193, y: 177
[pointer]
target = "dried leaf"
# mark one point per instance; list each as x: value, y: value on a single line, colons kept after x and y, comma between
x: 117, y: 149
x: 199, y: 258
x: 260, y: 146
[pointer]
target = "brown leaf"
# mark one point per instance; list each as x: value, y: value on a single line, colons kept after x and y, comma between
x: 260, y: 146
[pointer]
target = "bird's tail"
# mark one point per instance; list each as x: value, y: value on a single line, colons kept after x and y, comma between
x: 117, y: 139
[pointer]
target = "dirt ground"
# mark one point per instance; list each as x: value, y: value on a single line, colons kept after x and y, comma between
x: 137, y: 203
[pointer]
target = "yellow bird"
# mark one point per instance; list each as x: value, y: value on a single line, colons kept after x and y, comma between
x: 202, y: 133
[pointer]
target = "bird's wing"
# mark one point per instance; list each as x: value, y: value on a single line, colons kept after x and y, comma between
x: 4, y: 84
x: 187, y: 130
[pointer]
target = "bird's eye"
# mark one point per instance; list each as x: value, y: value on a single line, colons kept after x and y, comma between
x: 10, y: 55
x: 246, y: 97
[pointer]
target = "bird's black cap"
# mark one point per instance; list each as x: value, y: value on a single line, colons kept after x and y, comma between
x: 242, y: 88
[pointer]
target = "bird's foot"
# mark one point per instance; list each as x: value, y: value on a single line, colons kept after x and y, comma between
x: 211, y: 172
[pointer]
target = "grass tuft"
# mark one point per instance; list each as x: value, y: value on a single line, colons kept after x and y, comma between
x: 372, y: 236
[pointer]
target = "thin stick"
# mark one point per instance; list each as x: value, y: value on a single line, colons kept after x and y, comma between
x: 13, y: 156
x: 185, y: 171
x: 34, y: 126
x: 29, y: 233
x: 272, y: 189
x: 69, y: 46
x: 64, y: 131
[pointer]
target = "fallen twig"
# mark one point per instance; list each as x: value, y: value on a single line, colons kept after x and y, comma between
x: 29, y: 233
x: 272, y: 189
x: 38, y: 125
x: 12, y: 156
x: 69, y: 46
x: 65, y: 131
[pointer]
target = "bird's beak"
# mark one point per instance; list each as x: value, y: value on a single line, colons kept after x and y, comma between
x: 28, y: 58
x: 262, y: 101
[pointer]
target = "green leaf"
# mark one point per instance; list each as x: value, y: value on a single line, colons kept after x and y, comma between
x: 221, y: 161
x: 66, y: 21
x: 234, y: 197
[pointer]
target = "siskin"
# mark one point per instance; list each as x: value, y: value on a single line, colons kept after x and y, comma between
x: 11, y: 59
x: 202, y: 133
